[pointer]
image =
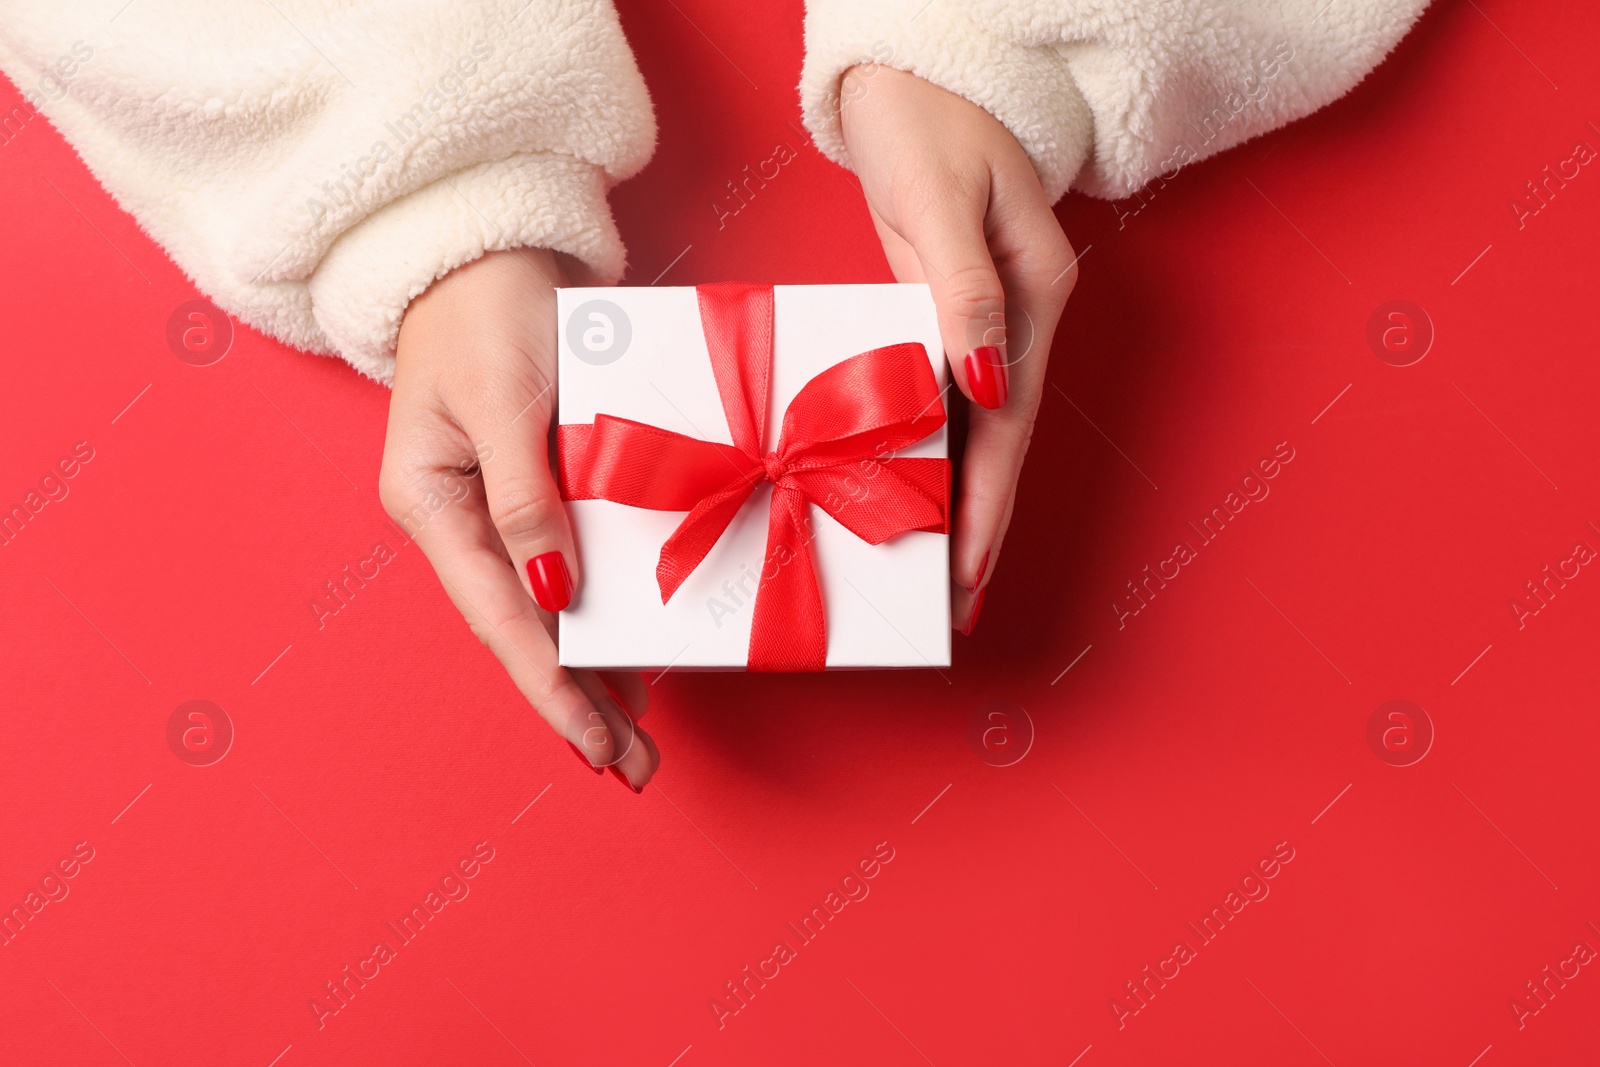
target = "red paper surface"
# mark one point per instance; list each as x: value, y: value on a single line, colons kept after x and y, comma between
x: 1161, y: 762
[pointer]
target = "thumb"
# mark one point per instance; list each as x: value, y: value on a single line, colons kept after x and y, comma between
x: 526, y: 507
x: 971, y: 304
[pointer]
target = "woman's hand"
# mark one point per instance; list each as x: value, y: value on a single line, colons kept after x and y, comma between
x: 474, y: 391
x: 957, y: 204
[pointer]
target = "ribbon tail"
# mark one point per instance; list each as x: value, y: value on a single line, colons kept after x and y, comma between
x: 789, y: 631
x: 696, y: 535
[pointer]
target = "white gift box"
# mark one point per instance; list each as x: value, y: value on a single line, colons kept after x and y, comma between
x: 641, y: 354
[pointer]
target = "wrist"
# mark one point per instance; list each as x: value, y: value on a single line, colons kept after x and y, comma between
x: 854, y: 81
x: 505, y: 286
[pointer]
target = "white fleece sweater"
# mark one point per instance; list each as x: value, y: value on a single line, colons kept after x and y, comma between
x: 1107, y: 94
x: 313, y: 165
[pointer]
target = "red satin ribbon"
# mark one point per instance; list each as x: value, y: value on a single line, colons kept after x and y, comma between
x: 835, y: 450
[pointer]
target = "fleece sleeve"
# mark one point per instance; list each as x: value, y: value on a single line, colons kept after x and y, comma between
x: 313, y: 165
x: 1105, y: 95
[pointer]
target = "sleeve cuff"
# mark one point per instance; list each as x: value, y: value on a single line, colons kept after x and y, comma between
x: 363, y: 285
x: 1028, y: 89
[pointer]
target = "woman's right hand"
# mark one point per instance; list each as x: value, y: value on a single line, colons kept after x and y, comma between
x: 474, y: 392
x: 958, y: 205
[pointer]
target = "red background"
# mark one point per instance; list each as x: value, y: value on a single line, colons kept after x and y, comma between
x: 1220, y: 320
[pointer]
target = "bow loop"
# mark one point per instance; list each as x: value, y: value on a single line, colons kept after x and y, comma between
x: 868, y: 406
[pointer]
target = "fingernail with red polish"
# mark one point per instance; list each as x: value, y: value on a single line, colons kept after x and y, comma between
x: 551, y: 581
x: 623, y: 778
x: 576, y: 751
x: 983, y: 569
x: 977, y: 606
x: 986, y: 376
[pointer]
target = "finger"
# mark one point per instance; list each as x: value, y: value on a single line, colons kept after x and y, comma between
x: 629, y: 689
x: 1037, y: 268
x: 507, y: 414
x: 971, y: 306
x: 953, y: 251
x: 523, y: 499
x: 462, y: 545
x: 966, y: 603
x: 639, y: 759
x: 634, y: 757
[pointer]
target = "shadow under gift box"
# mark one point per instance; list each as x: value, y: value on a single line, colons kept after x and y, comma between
x: 641, y: 353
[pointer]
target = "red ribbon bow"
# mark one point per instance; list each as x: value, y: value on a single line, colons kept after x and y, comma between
x: 833, y: 451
